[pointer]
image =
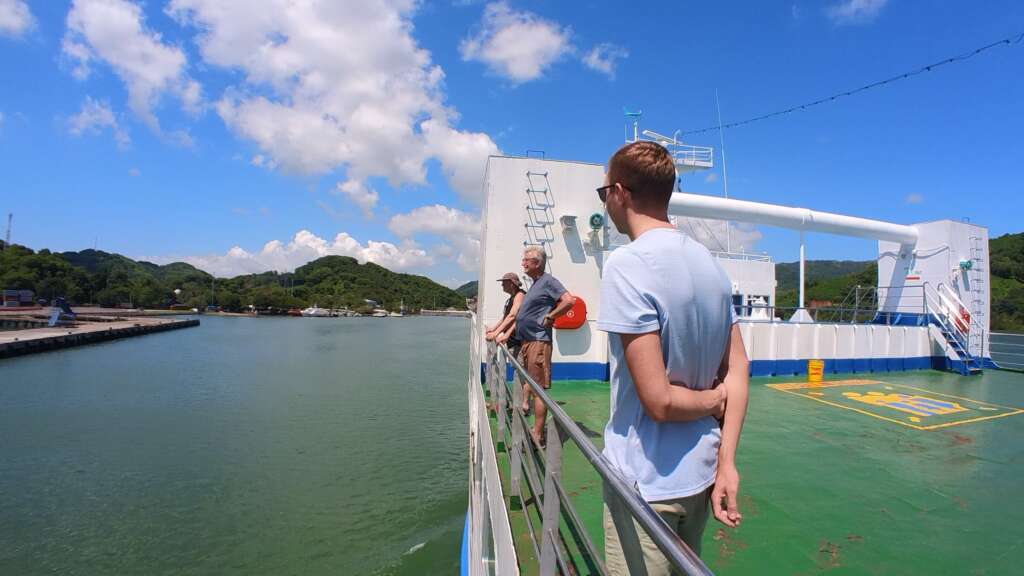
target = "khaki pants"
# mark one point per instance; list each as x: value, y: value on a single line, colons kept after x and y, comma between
x: 686, y: 516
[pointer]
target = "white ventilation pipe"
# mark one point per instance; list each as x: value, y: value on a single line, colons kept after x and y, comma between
x: 803, y: 219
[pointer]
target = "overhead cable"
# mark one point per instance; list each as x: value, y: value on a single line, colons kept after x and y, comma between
x: 958, y: 58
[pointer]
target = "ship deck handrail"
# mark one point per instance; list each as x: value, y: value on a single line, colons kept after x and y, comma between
x: 832, y: 314
x: 1007, y: 350
x: 561, y: 427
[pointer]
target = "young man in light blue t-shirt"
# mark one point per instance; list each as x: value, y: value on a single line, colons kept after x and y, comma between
x: 679, y: 370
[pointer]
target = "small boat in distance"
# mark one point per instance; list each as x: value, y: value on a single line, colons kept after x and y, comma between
x: 316, y: 312
x: 379, y: 313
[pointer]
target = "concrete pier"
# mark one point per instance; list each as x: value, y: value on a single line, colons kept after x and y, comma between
x: 457, y: 313
x: 18, y: 342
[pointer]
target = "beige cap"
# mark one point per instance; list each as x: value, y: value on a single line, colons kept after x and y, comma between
x: 511, y: 277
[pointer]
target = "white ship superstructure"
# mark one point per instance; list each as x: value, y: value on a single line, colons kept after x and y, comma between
x: 929, y: 307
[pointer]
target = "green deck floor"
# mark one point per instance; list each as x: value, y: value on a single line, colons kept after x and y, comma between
x: 831, y: 483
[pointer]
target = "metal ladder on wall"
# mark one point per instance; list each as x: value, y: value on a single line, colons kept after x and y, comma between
x: 540, y: 216
x: 976, y: 289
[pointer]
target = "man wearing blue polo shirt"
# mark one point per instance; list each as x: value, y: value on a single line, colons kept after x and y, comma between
x: 545, y: 301
x: 679, y: 371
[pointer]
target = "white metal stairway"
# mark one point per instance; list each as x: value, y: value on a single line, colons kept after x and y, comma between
x: 956, y: 325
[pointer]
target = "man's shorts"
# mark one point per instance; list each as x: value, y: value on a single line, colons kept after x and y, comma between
x: 535, y: 356
x: 686, y: 516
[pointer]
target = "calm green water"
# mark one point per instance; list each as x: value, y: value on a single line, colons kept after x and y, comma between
x: 243, y: 446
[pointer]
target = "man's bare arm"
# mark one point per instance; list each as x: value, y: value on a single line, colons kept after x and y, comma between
x: 662, y: 400
x: 507, y: 333
x: 510, y: 318
x: 736, y: 381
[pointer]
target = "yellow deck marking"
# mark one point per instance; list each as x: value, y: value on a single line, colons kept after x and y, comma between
x: 829, y: 384
x: 918, y: 406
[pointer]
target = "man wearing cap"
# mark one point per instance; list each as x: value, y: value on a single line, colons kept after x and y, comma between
x: 546, y: 300
x: 504, y: 330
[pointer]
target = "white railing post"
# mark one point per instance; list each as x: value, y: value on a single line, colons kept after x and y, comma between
x: 551, y: 509
x: 516, y: 452
x: 501, y: 408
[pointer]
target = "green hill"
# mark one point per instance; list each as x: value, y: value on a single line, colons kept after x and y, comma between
x: 827, y: 281
x: 1006, y: 254
x: 787, y: 274
x: 468, y: 290
x: 94, y: 276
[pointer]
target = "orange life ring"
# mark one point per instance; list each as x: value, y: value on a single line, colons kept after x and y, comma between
x: 574, y: 318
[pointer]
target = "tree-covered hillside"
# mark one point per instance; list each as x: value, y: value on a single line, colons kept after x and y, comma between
x: 94, y: 276
x: 1006, y: 254
x: 787, y: 274
x: 468, y: 290
x: 827, y: 281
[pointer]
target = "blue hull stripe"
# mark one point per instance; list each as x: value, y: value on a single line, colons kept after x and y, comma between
x: 464, y: 555
x: 599, y: 370
x: 840, y: 365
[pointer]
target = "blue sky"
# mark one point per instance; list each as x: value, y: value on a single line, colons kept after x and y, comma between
x: 245, y: 135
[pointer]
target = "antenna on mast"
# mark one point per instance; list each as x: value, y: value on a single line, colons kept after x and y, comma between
x: 636, y: 123
x: 725, y: 172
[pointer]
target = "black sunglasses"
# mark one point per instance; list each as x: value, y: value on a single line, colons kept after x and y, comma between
x: 602, y: 192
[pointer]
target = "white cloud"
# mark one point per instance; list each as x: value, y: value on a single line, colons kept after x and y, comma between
x: 180, y: 138
x: 263, y: 162
x: 114, y: 32
x: 437, y: 219
x: 93, y: 118
x: 15, y: 18
x: 462, y: 155
x: 604, y: 57
x: 134, y: 172
x: 304, y: 247
x: 517, y: 45
x: 738, y: 237
x: 855, y: 11
x: 914, y: 198
x: 360, y: 195
x: 460, y: 229
x: 340, y: 84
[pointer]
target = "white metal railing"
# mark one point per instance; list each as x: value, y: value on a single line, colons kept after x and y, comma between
x: 490, y: 549
x: 535, y: 477
x: 946, y: 308
x: 683, y: 154
x: 748, y: 256
x: 966, y: 320
x: 1007, y: 350
x: 688, y: 154
x: 956, y: 314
